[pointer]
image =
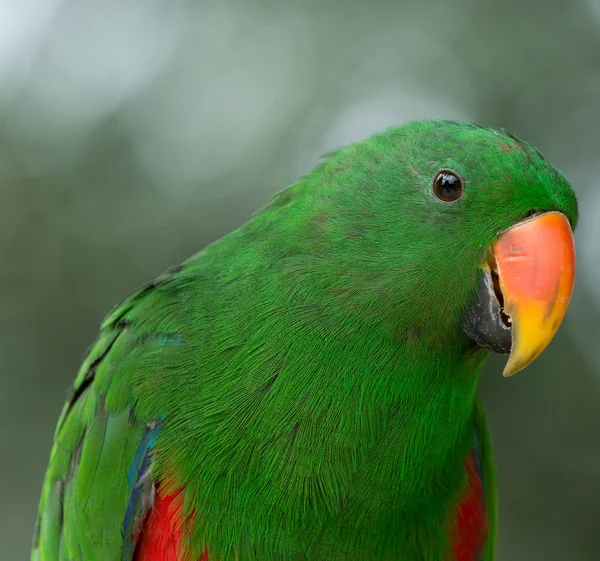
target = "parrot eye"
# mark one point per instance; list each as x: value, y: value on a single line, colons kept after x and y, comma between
x: 447, y: 186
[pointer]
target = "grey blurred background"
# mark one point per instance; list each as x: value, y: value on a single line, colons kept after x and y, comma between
x: 134, y: 132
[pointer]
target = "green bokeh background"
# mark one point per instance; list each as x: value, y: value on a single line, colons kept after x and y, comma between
x: 134, y: 132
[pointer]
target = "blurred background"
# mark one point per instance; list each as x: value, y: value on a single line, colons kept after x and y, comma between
x: 134, y: 132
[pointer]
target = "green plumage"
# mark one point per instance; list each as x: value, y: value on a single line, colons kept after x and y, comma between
x: 314, y: 392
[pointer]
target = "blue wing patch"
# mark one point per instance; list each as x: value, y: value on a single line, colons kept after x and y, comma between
x: 141, y: 489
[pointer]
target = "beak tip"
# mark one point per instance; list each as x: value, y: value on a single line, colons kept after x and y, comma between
x: 516, y: 363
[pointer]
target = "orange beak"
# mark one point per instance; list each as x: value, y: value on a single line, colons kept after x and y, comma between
x: 535, y: 264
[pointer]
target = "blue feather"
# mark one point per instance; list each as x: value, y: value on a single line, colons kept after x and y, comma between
x: 135, y: 474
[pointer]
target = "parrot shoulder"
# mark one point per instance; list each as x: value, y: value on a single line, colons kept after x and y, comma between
x: 98, y: 486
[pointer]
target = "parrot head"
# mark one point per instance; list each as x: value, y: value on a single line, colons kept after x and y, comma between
x: 444, y: 230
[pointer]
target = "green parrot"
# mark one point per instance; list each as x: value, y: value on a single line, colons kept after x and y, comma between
x: 305, y: 387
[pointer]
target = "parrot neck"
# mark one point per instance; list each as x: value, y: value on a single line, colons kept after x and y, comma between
x: 388, y: 440
x: 320, y: 424
x: 373, y: 436
x: 405, y: 412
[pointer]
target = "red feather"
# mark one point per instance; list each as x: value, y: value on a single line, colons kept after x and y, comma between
x: 160, y: 537
x: 471, y: 526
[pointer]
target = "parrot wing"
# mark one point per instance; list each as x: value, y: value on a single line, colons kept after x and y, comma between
x: 487, y: 476
x: 99, y: 493
x: 475, y: 516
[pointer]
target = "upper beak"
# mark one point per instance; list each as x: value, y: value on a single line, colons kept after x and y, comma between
x: 525, y: 289
x: 535, y: 263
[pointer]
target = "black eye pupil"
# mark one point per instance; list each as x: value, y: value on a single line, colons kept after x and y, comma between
x: 447, y: 187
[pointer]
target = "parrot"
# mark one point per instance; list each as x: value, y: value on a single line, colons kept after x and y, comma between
x: 305, y: 388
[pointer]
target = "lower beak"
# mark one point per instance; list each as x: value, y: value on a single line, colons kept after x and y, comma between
x: 525, y: 289
x: 535, y: 263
